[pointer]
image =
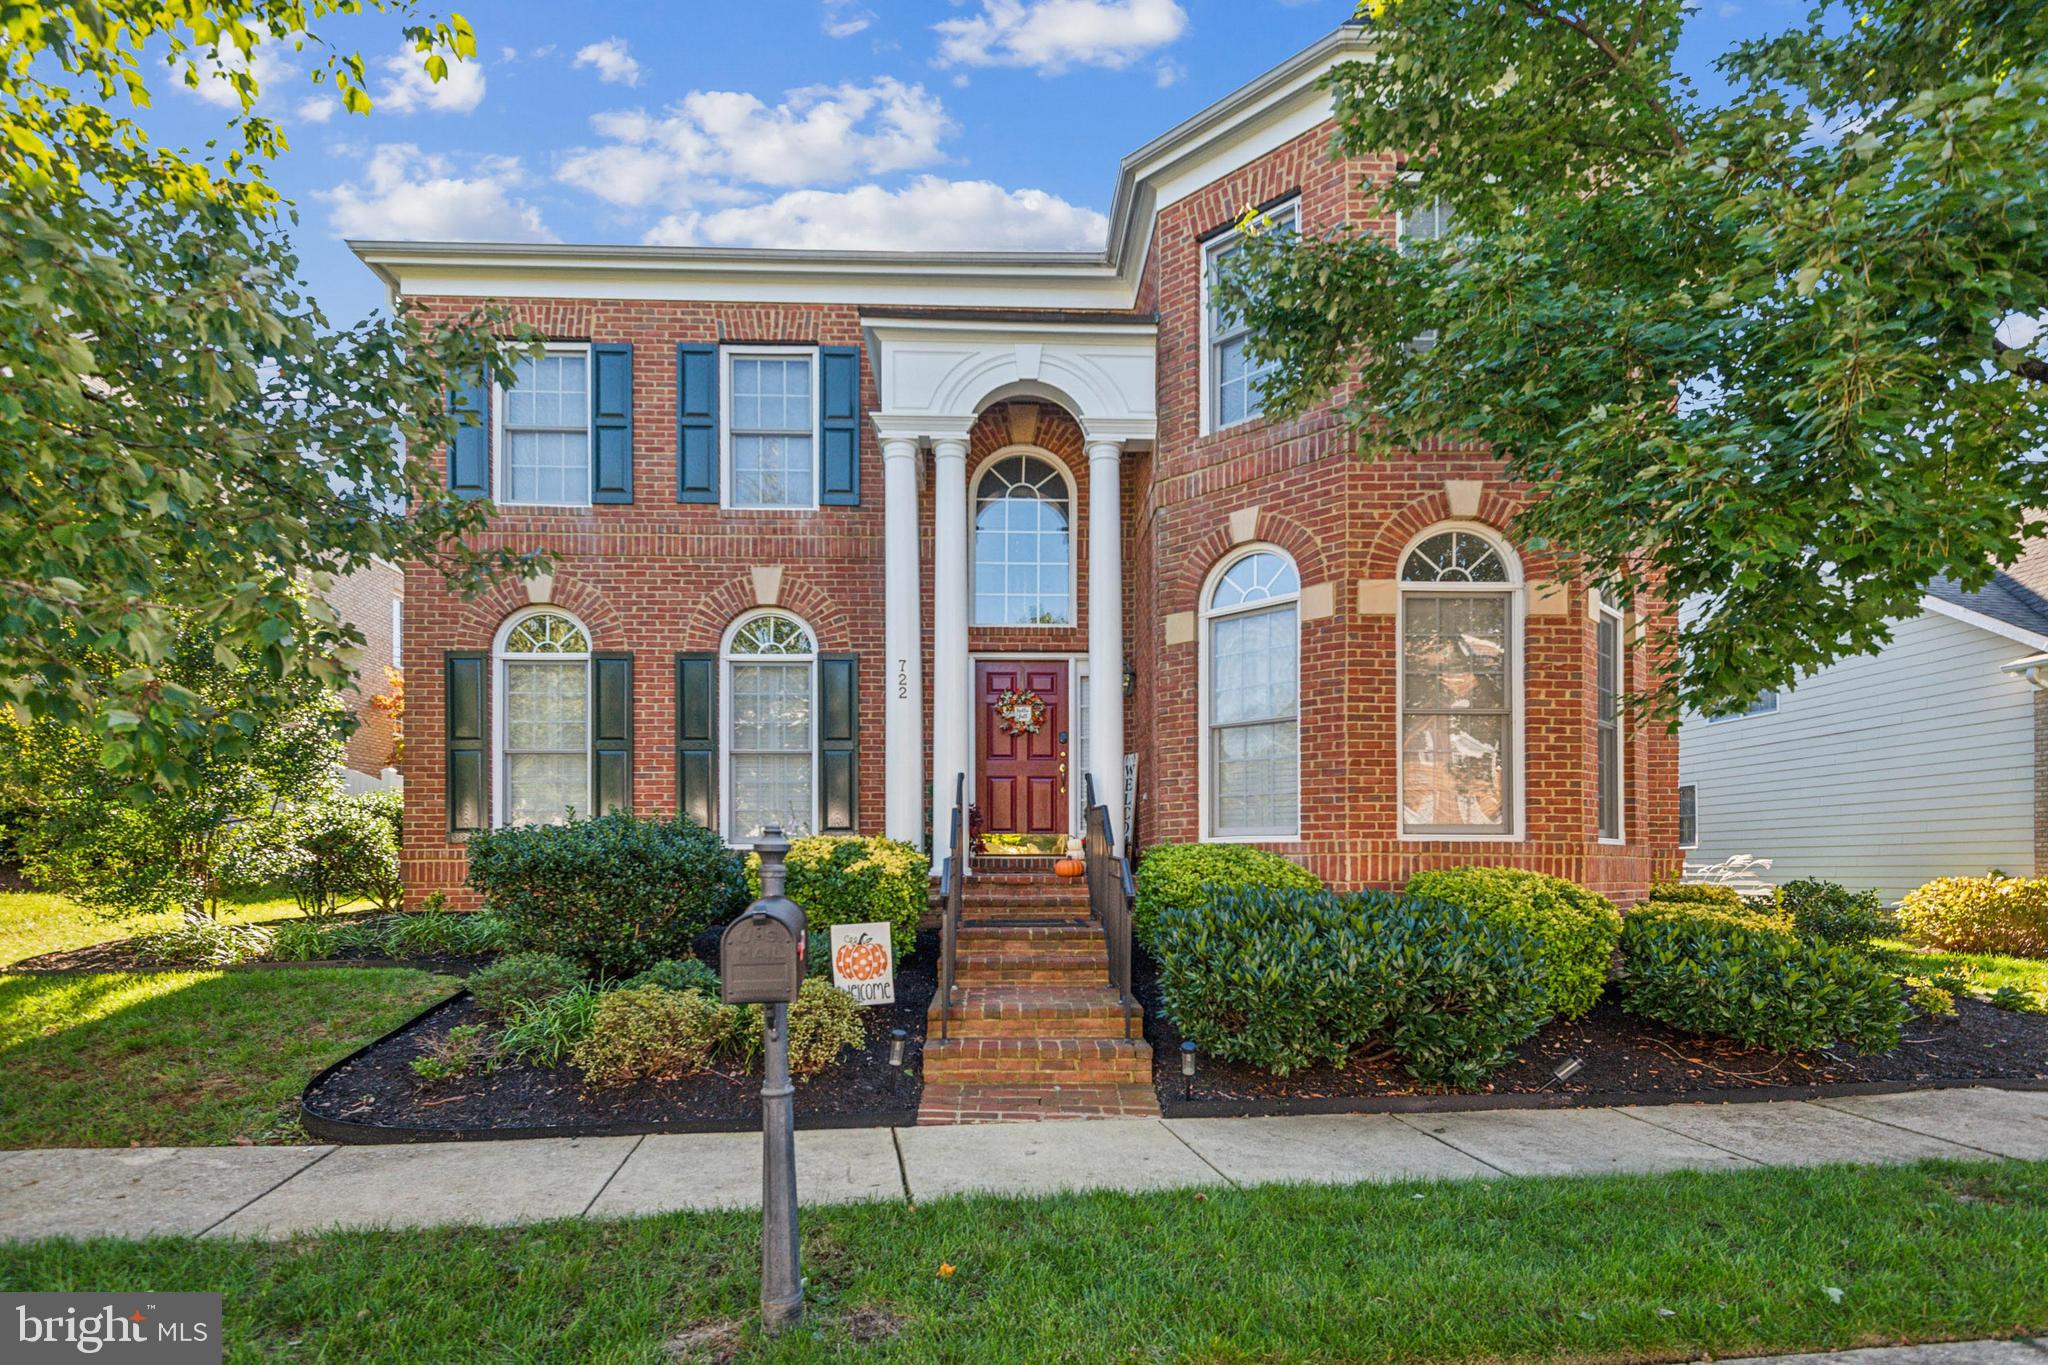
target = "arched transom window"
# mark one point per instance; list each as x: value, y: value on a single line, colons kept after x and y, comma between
x: 1457, y: 685
x: 1252, y: 697
x: 544, y: 736
x: 771, y: 683
x: 1023, y: 544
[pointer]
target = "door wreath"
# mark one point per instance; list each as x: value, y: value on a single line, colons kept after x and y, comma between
x: 1020, y: 711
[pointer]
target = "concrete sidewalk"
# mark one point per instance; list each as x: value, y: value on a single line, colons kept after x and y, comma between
x: 278, y: 1191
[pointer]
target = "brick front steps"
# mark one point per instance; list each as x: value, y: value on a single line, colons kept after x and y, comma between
x: 1034, y: 1030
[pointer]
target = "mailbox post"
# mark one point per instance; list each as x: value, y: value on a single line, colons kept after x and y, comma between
x: 761, y: 962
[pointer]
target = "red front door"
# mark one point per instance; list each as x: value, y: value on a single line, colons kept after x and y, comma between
x: 1023, y: 771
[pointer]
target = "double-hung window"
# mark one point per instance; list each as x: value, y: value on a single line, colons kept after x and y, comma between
x: 545, y: 429
x: 1417, y: 228
x: 771, y: 428
x: 1689, y: 816
x: 1253, y: 698
x: 771, y: 673
x: 1607, y: 720
x: 1457, y: 686
x: 1232, y: 381
x: 544, y: 718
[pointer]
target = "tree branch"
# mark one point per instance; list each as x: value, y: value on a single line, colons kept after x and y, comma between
x: 2033, y: 367
x: 1618, y: 59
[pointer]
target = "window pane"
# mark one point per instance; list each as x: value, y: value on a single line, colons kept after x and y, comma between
x: 771, y: 789
x: 1608, y: 683
x: 1688, y: 817
x: 546, y: 705
x: 1256, y: 785
x: 772, y: 471
x: 1255, y: 578
x: 547, y: 466
x: 1454, y: 557
x: 542, y: 789
x: 1454, y: 771
x: 1252, y: 661
x: 1454, y: 652
x: 1610, y: 781
x: 771, y: 707
x: 1022, y: 545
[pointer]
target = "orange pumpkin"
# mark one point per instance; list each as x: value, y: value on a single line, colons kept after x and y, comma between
x: 863, y: 960
x: 1070, y: 867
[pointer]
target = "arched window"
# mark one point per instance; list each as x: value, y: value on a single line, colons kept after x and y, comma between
x: 770, y: 687
x: 543, y: 719
x: 1251, y: 697
x: 1457, y: 685
x: 1023, y: 544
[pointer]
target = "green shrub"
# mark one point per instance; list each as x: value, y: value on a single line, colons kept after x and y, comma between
x: 1698, y: 893
x: 297, y: 940
x: 200, y: 941
x: 340, y: 848
x: 618, y: 893
x: 1979, y: 915
x: 678, y: 974
x: 651, y: 1034
x: 545, y: 1031
x: 1172, y: 876
x: 1750, y: 978
x: 1575, y: 929
x: 1832, y: 913
x: 463, y: 1049
x: 823, y: 1021
x: 844, y: 880
x: 517, y: 980
x: 2010, y: 997
x: 438, y: 933
x: 1930, y: 997
x: 1286, y: 978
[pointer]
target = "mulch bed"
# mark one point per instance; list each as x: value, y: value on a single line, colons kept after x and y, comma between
x: 375, y: 1097
x: 1626, y: 1059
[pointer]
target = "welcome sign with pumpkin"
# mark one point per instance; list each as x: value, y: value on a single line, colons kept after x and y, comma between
x: 864, y: 963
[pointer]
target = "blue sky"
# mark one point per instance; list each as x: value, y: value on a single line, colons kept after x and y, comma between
x: 812, y: 123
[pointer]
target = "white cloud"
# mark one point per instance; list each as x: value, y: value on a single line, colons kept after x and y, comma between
x: 844, y: 18
x: 615, y: 65
x: 264, y: 62
x: 409, y: 90
x: 928, y: 214
x: 702, y: 146
x: 410, y: 195
x: 317, y: 108
x: 1049, y: 36
x: 1168, y: 73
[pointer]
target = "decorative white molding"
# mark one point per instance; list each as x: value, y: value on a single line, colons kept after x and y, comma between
x: 767, y: 585
x: 1244, y: 525
x: 938, y: 376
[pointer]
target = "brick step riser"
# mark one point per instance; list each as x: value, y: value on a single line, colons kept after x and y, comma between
x: 1046, y: 976
x: 1096, y: 1029
x: 1028, y: 938
x: 1036, y: 1071
x: 1036, y: 955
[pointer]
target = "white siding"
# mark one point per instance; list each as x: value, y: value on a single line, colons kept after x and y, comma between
x: 1883, y: 771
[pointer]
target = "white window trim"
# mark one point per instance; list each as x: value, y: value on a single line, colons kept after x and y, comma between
x: 1289, y: 209
x: 500, y: 455
x: 1073, y: 538
x: 1607, y: 613
x: 1695, y: 788
x: 499, y: 658
x: 726, y: 356
x: 1518, y: 715
x: 1205, y: 616
x: 735, y: 838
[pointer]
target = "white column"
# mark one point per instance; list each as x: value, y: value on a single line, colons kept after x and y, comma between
x: 951, y: 683
x: 1106, y: 629
x: 903, y: 637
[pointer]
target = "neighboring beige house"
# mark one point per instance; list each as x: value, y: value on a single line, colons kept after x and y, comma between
x: 373, y: 600
x: 1927, y: 759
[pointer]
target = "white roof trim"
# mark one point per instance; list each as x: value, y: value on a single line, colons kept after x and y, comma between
x: 1275, y: 105
x: 2004, y: 630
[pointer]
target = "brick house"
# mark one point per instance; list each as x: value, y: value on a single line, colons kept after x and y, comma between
x: 831, y: 528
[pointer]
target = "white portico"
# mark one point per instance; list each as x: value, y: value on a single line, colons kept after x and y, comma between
x: 936, y: 374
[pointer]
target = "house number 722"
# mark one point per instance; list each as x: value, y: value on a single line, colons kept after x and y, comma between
x: 903, y: 679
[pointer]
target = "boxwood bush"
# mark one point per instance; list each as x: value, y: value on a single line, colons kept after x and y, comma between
x: 1172, y: 877
x: 1832, y: 913
x: 1699, y: 893
x: 840, y: 879
x: 1749, y: 977
x: 1575, y: 930
x: 509, y: 985
x: 1979, y: 915
x: 678, y: 974
x: 617, y: 893
x: 1286, y: 978
x: 651, y: 1034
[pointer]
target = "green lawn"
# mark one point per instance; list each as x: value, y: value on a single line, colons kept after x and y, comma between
x: 1989, y: 970
x: 185, y: 1058
x: 33, y: 923
x: 1618, y: 1268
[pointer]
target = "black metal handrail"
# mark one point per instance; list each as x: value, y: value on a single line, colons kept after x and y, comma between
x: 952, y: 872
x: 1110, y: 893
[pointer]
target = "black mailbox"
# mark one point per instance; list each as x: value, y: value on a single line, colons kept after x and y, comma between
x: 761, y: 954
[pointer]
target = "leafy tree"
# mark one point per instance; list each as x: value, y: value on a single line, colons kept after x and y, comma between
x: 189, y: 849
x: 1769, y: 356
x: 188, y: 441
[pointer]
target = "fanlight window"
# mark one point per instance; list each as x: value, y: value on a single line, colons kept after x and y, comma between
x: 1257, y: 577
x: 771, y: 635
x: 547, y: 633
x: 1455, y: 557
x: 1023, y: 545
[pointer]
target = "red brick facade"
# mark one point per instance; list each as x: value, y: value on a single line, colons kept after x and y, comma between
x: 655, y: 577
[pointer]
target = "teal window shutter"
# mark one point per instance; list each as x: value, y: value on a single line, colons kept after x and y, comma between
x: 697, y: 737
x: 464, y: 738
x: 839, y: 426
x: 611, y: 733
x: 838, y: 743
x: 611, y: 423
x: 697, y: 424
x: 469, y: 455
